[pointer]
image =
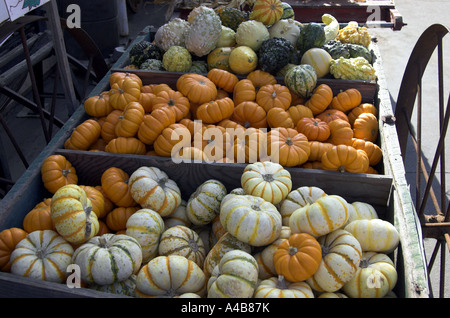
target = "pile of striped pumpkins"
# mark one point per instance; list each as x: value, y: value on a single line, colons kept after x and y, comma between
x: 263, y: 239
x: 332, y: 132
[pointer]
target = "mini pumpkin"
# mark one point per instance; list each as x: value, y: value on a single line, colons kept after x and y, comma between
x: 223, y: 79
x: 346, y: 100
x: 332, y: 114
x: 117, y: 219
x: 288, y: 147
x: 131, y: 145
x: 108, y: 129
x: 278, y: 117
x: 313, y: 129
x: 365, y: 127
x: 344, y: 158
x: 174, y: 100
x: 244, y: 90
x: 57, y: 171
x: 250, y: 114
x: 130, y: 120
x: 98, y: 105
x: 39, y: 218
x: 216, y: 110
x: 341, y: 132
x: 278, y: 287
x: 274, y: 95
x: 320, y: 99
x: 196, y: 87
x: 85, y: 134
x: 153, y: 124
x: 299, y: 111
x: 9, y: 238
x: 114, y: 182
x: 123, y: 92
x: 171, y: 140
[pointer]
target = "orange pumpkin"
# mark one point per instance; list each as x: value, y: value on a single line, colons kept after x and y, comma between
x: 346, y: 100
x: 341, y: 132
x: 117, y: 219
x: 260, y: 78
x: 124, y: 92
x: 172, y: 136
x: 192, y: 125
x: 84, y: 135
x: 244, y: 90
x: 318, y: 148
x: 213, y: 141
x: 114, y: 182
x: 118, y: 77
x: 278, y: 117
x: 174, y: 100
x: 157, y: 88
x: 313, y: 129
x: 56, y: 172
x: 130, y: 120
x: 223, y: 79
x: 274, y: 95
x: 299, y: 111
x: 39, y: 218
x: 8, y: 241
x: 320, y: 99
x: 108, y: 130
x: 228, y: 123
x: 98, y: 105
x: 146, y: 100
x: 109, y: 206
x: 214, y: 111
x: 345, y: 158
x: 298, y: 257
x: 131, y: 145
x: 249, y: 145
x: 250, y: 114
x: 358, y: 110
x: 97, y: 200
x: 196, y: 87
x: 332, y: 114
x: 372, y: 150
x: 154, y: 123
x: 291, y: 148
x: 366, y: 127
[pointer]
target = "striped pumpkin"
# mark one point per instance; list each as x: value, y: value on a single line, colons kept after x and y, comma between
x: 183, y: 241
x: 319, y: 59
x: 152, y: 189
x: 268, y: 180
x: 325, y: 215
x: 170, y: 276
x: 178, y: 217
x: 278, y: 287
x: 72, y: 215
x: 341, y: 255
x: 108, y: 259
x: 236, y: 276
x: 375, y: 235
x: 297, y: 199
x: 204, y: 204
x: 42, y: 255
x: 361, y: 211
x: 125, y: 287
x: 267, y: 11
x: 225, y: 244
x: 376, y: 276
x: 251, y: 219
x: 146, y: 226
x: 301, y: 79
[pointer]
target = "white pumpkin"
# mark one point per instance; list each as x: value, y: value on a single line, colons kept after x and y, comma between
x: 178, y: 217
x: 361, y: 210
x: 278, y: 287
x: 287, y: 29
x: 125, y: 287
x: 42, y: 255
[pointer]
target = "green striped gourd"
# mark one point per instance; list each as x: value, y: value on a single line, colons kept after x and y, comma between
x: 204, y: 204
x: 288, y: 11
x: 152, y: 189
x: 251, y: 219
x: 170, y: 276
x: 125, y: 287
x: 146, y: 226
x: 236, y: 276
x: 278, y: 287
x: 108, y: 258
x: 42, y: 255
x: 297, y: 199
x: 301, y: 79
x: 183, y: 241
x: 325, y: 215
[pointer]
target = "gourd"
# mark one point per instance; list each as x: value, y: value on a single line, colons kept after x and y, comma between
x: 125, y: 287
x: 298, y: 257
x: 336, y: 49
x: 352, y: 33
x: 42, y: 255
x: 268, y: 180
x: 274, y: 54
x: 361, y: 211
x: 375, y: 277
x: 204, y: 204
x: 374, y: 235
x: 252, y: 33
x: 286, y: 29
x: 341, y: 256
x: 243, y: 60
x: 249, y: 145
x: 357, y: 50
x: 355, y: 68
x: 72, y: 215
x: 288, y: 147
x: 317, y: 149
x: 231, y: 17
x: 301, y: 79
x: 218, y: 58
x: 170, y: 276
x: 266, y: 11
x: 279, y: 118
x: 108, y: 259
x: 325, y: 215
x: 172, y: 33
x: 341, y: 133
x: 261, y: 78
x: 9, y: 238
x: 236, y: 276
x: 152, y: 65
x: 142, y: 51
x: 152, y: 189
x: 57, y: 171
x: 199, y: 67
x: 178, y: 217
x: 311, y: 35
x: 278, y: 287
x: 171, y: 140
x: 331, y: 114
x: 177, y: 59
x: 297, y: 199
x: 244, y: 90
x: 183, y: 241
x: 251, y: 219
x: 372, y: 150
x: 227, y: 37
x: 205, y: 30
x: 319, y: 59
x: 362, y: 108
x: 146, y: 226
x: 114, y: 182
x: 331, y: 27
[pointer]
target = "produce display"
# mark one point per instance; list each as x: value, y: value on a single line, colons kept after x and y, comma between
x: 261, y: 240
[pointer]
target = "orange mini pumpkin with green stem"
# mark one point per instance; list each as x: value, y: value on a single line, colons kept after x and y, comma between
x: 57, y: 171
x: 174, y: 100
x: 250, y: 114
x: 274, y: 95
x: 313, y: 129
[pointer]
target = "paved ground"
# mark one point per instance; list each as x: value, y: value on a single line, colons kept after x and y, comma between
x: 395, y: 49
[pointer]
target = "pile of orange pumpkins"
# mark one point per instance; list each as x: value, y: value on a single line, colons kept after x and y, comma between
x: 133, y: 235
x: 326, y: 131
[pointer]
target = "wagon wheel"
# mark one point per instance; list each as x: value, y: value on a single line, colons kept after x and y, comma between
x: 435, y: 224
x: 135, y: 5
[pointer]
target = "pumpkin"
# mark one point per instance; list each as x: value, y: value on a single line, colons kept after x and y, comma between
x: 179, y: 217
x: 215, y: 110
x: 42, y: 255
x: 196, y: 87
x: 341, y: 256
x: 299, y: 111
x: 250, y: 114
x: 72, y: 215
x: 57, y: 171
x: 108, y: 129
x: 173, y: 100
x: 314, y: 129
x: 331, y: 114
x: 85, y: 134
x: 344, y: 158
x: 341, y: 132
x: 214, y: 142
x: 204, y: 204
x: 170, y: 276
x: 97, y: 200
x: 108, y: 259
x: 146, y: 100
x: 98, y: 105
x: 183, y: 241
x: 125, y: 287
x: 244, y: 90
x: 251, y: 219
x: 346, y: 100
x: 226, y: 243
x: 236, y: 276
x: 146, y: 226
x: 325, y: 215
x: 130, y: 145
x: 124, y: 92
x: 223, y: 79
x: 249, y: 145
x: 171, y: 139
x: 278, y: 287
x: 375, y: 278
x: 274, y: 95
x: 298, y: 257
x: 152, y: 189
x: 261, y: 78
x: 117, y: 219
x: 119, y: 77
x: 332, y: 295
x: 9, y: 238
x: 372, y: 150
x: 130, y: 120
x: 266, y: 11
x: 358, y: 110
x: 366, y: 127
x: 268, y: 180
x: 374, y: 235
x: 361, y: 211
x: 298, y: 198
x: 320, y: 99
x: 288, y: 147
x: 39, y: 218
x: 317, y: 149
x: 301, y: 79
x: 278, y: 117
x: 153, y: 124
x: 114, y: 182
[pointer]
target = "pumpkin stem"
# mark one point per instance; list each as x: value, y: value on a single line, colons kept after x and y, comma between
x: 281, y: 284
x: 341, y: 169
x: 65, y: 172
x: 193, y: 245
x: 289, y: 141
x: 292, y: 250
x: 162, y: 182
x: 268, y: 177
x: 40, y: 253
x: 364, y: 263
x: 256, y: 208
x: 102, y: 241
x: 274, y: 94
